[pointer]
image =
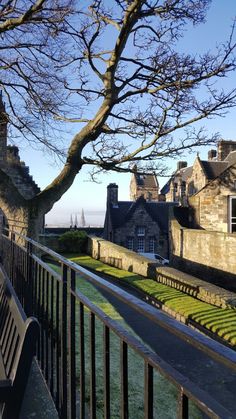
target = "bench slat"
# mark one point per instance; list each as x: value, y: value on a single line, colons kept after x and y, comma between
x: 12, y: 356
x: 2, y: 369
x: 5, y: 328
x: 5, y: 311
x: 18, y: 336
x: 7, y: 355
x: 9, y: 330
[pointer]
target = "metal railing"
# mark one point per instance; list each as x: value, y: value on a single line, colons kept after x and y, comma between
x: 74, y: 332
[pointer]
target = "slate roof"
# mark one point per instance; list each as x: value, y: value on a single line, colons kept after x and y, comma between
x: 146, y: 181
x: 158, y: 211
x: 213, y: 169
x: 231, y: 158
x: 165, y: 189
x: 185, y: 172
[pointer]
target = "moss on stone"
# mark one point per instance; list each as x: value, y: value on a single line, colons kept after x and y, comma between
x: 221, y: 321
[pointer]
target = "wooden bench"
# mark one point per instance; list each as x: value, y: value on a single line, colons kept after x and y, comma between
x: 18, y: 336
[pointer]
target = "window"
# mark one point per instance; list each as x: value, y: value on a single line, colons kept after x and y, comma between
x: 149, y: 197
x: 140, y: 231
x: 232, y: 215
x: 183, y: 186
x: 130, y: 243
x: 152, y: 245
x: 140, y: 245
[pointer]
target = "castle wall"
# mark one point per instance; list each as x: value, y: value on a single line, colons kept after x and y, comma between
x: 211, y: 204
x: 207, y: 254
x: 120, y: 257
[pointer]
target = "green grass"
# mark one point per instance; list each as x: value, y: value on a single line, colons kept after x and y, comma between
x: 165, y: 394
x: 219, y: 321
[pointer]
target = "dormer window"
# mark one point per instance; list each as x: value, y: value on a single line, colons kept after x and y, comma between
x: 141, y: 231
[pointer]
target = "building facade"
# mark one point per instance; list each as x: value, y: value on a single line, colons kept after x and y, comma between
x: 139, y: 225
x: 208, y: 188
x: 145, y: 185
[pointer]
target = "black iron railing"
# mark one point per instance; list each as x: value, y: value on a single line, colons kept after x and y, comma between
x: 74, y: 333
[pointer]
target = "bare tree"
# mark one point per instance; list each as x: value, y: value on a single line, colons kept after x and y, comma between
x: 113, y: 68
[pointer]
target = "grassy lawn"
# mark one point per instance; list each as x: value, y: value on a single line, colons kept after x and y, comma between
x: 165, y: 394
x: 220, y: 321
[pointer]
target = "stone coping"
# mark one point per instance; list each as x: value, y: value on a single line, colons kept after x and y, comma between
x: 196, y: 287
x: 112, y: 253
x: 202, y: 231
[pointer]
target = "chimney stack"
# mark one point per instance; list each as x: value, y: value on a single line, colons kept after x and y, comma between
x: 224, y: 148
x: 211, y: 154
x: 112, y: 195
x: 181, y: 165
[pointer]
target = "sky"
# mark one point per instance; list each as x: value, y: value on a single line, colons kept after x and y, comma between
x: 90, y: 196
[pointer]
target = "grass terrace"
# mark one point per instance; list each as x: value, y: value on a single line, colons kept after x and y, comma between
x: 219, y: 321
x: 165, y: 393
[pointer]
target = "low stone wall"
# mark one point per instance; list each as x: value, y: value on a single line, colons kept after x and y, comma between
x: 208, y: 254
x: 120, y: 257
x: 196, y: 287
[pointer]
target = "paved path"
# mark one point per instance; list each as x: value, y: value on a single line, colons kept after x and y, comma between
x: 211, y: 376
x: 37, y: 403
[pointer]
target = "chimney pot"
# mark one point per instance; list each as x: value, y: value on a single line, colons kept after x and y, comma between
x: 211, y: 154
x: 181, y: 165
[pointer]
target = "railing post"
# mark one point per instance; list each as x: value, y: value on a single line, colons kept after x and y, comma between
x: 148, y: 391
x: 64, y: 343
x: 12, y: 258
x: 72, y: 347
x: 28, y: 297
x: 182, y: 405
x: 1, y: 235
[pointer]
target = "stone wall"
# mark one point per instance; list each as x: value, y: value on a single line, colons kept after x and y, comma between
x: 120, y: 257
x: 209, y: 255
x: 197, y: 180
x: 211, y: 204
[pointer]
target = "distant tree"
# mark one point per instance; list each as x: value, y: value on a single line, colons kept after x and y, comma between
x: 73, y: 241
x: 115, y: 69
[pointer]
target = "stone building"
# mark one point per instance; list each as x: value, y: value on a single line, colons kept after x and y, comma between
x: 175, y: 189
x: 145, y: 185
x: 16, y: 171
x: 208, y: 188
x: 139, y: 225
x: 214, y: 205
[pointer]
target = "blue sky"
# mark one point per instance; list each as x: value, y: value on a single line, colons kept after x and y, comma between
x: 92, y: 196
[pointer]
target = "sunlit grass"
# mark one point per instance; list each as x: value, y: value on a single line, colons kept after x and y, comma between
x: 165, y: 393
x: 220, y: 321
